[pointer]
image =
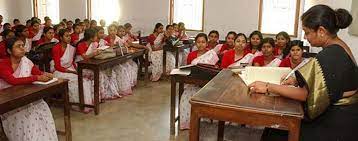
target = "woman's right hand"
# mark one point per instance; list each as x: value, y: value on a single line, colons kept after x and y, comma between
x: 289, y: 81
x: 43, y: 78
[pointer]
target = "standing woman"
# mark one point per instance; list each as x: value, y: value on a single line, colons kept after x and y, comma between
x: 295, y: 57
x: 268, y: 58
x: 282, y: 45
x: 327, y: 83
x: 34, y: 121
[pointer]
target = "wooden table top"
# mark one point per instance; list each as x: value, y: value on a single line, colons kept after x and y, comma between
x: 20, y: 95
x: 135, y: 53
x: 227, y: 90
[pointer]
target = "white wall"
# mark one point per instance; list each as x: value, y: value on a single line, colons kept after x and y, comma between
x: 72, y: 9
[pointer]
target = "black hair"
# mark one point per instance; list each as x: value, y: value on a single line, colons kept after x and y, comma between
x: 74, y: 26
x: 168, y: 26
x: 7, y: 24
x: 77, y: 20
x: 127, y: 25
x: 47, y: 29
x: 62, y: 32
x: 93, y: 21
x: 268, y: 40
x: 33, y: 22
x: 89, y: 33
x: 157, y: 26
x: 10, y: 43
x: 15, y: 20
x: 201, y: 35
x: 298, y: 43
x: 258, y: 33
x: 213, y: 32
x: 241, y: 34
x: 19, y: 29
x: 231, y: 33
x: 28, y: 21
x: 69, y: 22
x: 323, y: 15
x: 286, y: 50
x: 86, y: 21
x: 6, y: 32
x: 98, y: 28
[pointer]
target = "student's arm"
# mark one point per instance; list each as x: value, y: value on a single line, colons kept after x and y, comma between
x: 295, y: 93
x: 56, y: 55
x: 6, y: 74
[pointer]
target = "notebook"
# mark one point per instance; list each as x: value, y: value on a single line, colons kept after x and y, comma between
x: 45, y: 83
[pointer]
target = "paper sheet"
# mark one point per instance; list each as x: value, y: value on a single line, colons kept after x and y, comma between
x: 266, y: 74
x: 45, y: 83
x: 185, y: 72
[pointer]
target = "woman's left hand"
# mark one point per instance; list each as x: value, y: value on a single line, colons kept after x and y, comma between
x: 258, y: 87
x: 49, y: 75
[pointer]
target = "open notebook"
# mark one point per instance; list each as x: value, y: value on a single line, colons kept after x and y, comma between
x: 266, y: 74
x: 45, y: 83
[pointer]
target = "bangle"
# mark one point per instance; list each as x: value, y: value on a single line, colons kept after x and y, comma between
x: 267, y: 88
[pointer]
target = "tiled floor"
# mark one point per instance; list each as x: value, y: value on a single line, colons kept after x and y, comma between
x: 143, y: 116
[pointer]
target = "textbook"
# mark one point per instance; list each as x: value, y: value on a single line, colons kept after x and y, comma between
x: 45, y: 83
x: 266, y: 74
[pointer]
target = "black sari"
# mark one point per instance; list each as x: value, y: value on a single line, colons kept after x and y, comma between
x: 328, y: 116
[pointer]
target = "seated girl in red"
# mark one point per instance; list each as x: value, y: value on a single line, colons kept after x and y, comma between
x: 19, y: 70
x: 48, y: 37
x: 255, y: 43
x: 35, y: 31
x: 238, y: 55
x: 6, y: 34
x: 213, y: 39
x: 75, y: 36
x: 203, y: 56
x: 295, y: 57
x: 229, y: 43
x: 282, y: 45
x: 268, y: 58
x: 22, y: 33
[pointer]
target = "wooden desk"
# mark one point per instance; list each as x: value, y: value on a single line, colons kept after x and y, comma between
x: 181, y: 80
x: 225, y: 98
x: 99, y: 64
x: 21, y: 95
x: 177, y: 51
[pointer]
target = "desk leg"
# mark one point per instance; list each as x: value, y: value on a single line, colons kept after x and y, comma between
x: 80, y: 88
x: 96, y: 91
x: 221, y: 128
x: 176, y: 58
x: 181, y: 90
x: 294, y: 131
x: 146, y: 62
x: 164, y: 62
x: 67, y: 114
x: 194, y: 124
x: 172, y: 105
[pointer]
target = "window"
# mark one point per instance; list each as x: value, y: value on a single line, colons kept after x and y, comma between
x: 50, y: 8
x: 104, y: 9
x: 279, y: 15
x: 190, y: 12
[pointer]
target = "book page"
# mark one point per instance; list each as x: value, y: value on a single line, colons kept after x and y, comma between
x: 266, y: 74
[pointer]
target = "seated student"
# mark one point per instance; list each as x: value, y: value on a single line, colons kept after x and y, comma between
x: 237, y: 56
x: 63, y: 66
x: 255, y: 43
x: 48, y: 37
x: 57, y: 29
x: 282, y: 45
x: 129, y: 34
x: 48, y: 23
x: 267, y: 58
x: 156, y: 41
x: 69, y: 26
x: 34, y: 121
x: 295, y: 57
x: 16, y: 22
x: 86, y: 49
x: 181, y: 32
x: 93, y: 24
x: 204, y: 56
x: 22, y: 33
x: 28, y: 23
x: 6, y: 26
x: 6, y: 34
x: 35, y: 31
x: 213, y: 39
x: 75, y: 36
x: 86, y: 24
x: 229, y: 43
x: 122, y: 72
x: 176, y: 29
